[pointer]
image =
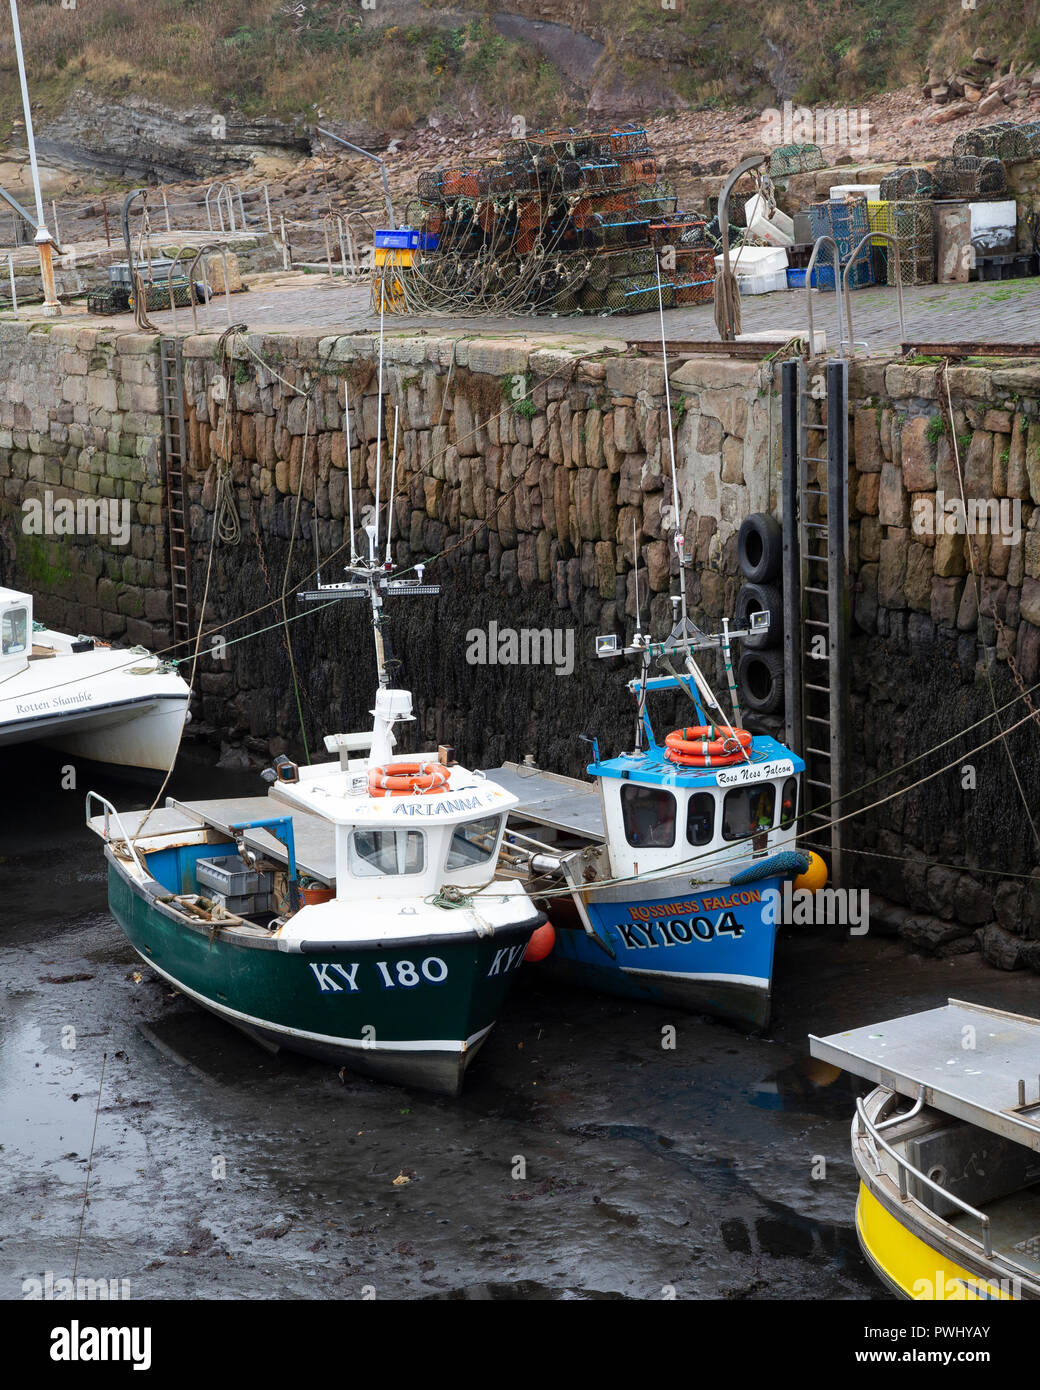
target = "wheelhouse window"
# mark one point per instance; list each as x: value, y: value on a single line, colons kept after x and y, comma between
x: 649, y: 816
x: 381, y: 853
x: 14, y: 631
x: 789, y: 802
x: 473, y: 843
x: 748, y: 810
x: 700, y: 819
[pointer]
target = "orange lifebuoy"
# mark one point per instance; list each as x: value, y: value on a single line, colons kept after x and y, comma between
x: 706, y: 746
x: 407, y: 779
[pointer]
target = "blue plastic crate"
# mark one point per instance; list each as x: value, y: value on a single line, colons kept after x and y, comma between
x: 397, y: 239
x: 849, y: 224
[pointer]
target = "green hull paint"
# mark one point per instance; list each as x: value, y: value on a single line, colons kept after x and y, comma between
x: 284, y: 996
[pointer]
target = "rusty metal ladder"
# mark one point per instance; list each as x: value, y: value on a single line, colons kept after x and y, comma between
x: 171, y: 372
x: 816, y: 595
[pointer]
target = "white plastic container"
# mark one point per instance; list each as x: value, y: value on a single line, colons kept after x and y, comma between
x: 857, y: 190
x: 777, y: 230
x: 747, y: 261
x: 765, y: 283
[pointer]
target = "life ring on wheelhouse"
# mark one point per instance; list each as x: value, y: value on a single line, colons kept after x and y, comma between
x: 705, y: 745
x: 407, y: 779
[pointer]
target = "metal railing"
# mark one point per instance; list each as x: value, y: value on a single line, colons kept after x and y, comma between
x: 905, y: 1169
x: 872, y: 237
x: 205, y: 251
x: 110, y: 814
x: 821, y: 241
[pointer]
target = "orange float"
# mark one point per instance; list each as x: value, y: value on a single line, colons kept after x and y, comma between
x: 705, y: 745
x: 541, y: 943
x: 407, y: 779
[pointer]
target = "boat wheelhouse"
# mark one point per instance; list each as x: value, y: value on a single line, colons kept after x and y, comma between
x: 947, y: 1150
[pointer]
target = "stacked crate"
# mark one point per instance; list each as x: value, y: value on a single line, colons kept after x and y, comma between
x: 845, y: 221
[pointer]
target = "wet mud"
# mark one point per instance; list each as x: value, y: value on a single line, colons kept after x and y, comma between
x: 586, y: 1159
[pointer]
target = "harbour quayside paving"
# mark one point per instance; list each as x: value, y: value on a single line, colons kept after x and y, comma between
x: 525, y: 726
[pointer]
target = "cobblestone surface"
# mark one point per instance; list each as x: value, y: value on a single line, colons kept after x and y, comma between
x: 1007, y: 311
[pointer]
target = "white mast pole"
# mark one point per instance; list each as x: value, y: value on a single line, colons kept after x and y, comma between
x: 379, y: 420
x: 393, y: 480
x: 678, y: 539
x: 350, y: 471
x: 44, y: 240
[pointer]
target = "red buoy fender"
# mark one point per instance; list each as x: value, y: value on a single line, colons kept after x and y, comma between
x: 541, y: 943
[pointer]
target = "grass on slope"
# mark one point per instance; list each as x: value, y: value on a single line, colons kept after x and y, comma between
x: 292, y: 57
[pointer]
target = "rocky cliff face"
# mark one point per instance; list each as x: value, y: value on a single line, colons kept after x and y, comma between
x: 140, y: 140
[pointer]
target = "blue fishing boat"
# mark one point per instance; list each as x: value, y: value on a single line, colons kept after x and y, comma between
x: 674, y: 891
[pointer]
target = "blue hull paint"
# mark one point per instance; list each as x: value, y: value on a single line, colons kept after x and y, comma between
x: 710, y: 952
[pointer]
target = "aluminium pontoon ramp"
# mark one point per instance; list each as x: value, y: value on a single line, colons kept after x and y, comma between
x: 547, y: 798
x: 314, y: 837
x: 977, y: 1064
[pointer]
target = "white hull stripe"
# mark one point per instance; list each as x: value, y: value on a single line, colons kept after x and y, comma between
x: 419, y: 1045
x: 749, y: 981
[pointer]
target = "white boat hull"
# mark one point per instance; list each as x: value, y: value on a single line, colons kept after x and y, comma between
x: 141, y: 733
x: 104, y: 704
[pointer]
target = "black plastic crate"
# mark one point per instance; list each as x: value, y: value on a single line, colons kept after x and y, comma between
x: 1014, y: 266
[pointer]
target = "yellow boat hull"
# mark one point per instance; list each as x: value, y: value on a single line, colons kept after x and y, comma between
x: 911, y: 1267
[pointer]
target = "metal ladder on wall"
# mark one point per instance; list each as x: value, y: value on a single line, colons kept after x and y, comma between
x: 171, y: 371
x: 816, y: 594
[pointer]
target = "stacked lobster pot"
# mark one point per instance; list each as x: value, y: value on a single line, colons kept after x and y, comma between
x: 906, y: 211
x: 845, y: 221
x: 560, y: 222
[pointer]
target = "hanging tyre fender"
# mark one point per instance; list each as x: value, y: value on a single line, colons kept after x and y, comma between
x: 760, y: 598
x: 760, y: 548
x: 761, y: 678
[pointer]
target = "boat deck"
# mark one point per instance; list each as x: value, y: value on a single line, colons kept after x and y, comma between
x: 977, y: 1064
x: 1014, y: 1226
x: 314, y: 837
x: 546, y: 798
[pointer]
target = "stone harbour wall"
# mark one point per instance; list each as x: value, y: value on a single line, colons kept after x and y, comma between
x: 523, y: 467
x: 80, y: 419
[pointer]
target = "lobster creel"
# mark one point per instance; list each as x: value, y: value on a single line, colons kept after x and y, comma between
x: 705, y: 745
x: 407, y: 779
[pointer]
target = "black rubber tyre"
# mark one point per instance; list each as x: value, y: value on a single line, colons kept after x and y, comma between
x: 761, y: 679
x: 760, y: 548
x: 761, y: 598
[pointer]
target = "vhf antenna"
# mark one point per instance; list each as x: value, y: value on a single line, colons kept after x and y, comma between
x: 350, y: 473
x: 678, y: 538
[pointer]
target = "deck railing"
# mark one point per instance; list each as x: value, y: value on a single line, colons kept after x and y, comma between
x: 905, y: 1170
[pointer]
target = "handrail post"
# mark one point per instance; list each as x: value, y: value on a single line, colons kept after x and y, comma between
x: 837, y: 290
